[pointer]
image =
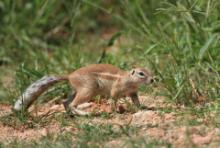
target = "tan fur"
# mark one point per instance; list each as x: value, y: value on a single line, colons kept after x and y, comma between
x: 105, y: 80
x: 88, y: 82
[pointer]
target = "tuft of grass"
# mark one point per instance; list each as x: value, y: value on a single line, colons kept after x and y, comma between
x: 145, y: 142
x: 64, y: 139
x: 186, y: 54
x: 95, y: 135
x: 88, y: 135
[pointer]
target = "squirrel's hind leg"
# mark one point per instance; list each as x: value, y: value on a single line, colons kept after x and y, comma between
x: 76, y: 99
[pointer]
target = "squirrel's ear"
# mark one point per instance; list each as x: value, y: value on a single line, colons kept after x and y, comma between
x: 132, y: 72
x: 134, y: 66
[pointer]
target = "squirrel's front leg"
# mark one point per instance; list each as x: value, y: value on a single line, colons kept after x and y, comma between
x: 114, y: 96
x: 135, y: 99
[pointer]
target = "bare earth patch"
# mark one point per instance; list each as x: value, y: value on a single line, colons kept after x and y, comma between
x: 153, y: 124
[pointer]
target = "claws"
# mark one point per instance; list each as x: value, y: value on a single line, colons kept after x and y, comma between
x: 74, y: 112
x: 80, y: 112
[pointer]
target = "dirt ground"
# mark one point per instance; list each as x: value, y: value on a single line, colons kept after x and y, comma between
x: 154, y: 122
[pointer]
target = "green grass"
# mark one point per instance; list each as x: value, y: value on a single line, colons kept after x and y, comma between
x: 47, y: 141
x: 90, y: 135
x: 177, y: 40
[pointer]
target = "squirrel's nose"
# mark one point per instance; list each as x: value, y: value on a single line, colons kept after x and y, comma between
x: 152, y: 80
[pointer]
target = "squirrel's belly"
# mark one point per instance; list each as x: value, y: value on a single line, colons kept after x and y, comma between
x: 105, y: 86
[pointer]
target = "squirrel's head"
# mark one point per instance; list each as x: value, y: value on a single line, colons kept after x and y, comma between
x: 141, y: 76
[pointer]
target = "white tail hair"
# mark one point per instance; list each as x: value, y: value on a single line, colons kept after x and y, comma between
x: 35, y: 90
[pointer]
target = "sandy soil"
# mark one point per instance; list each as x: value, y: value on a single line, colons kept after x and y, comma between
x: 153, y: 122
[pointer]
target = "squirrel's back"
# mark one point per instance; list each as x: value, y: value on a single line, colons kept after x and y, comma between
x: 99, y: 68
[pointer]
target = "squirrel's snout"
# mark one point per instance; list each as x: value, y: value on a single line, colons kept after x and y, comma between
x: 152, y: 80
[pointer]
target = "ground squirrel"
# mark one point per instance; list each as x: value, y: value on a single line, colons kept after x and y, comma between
x: 87, y: 82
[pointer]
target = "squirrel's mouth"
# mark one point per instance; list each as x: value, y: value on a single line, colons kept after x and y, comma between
x: 149, y: 81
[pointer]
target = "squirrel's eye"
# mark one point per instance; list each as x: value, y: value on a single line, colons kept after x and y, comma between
x: 141, y: 73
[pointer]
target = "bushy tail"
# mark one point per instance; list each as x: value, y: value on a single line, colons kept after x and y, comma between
x: 35, y: 90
